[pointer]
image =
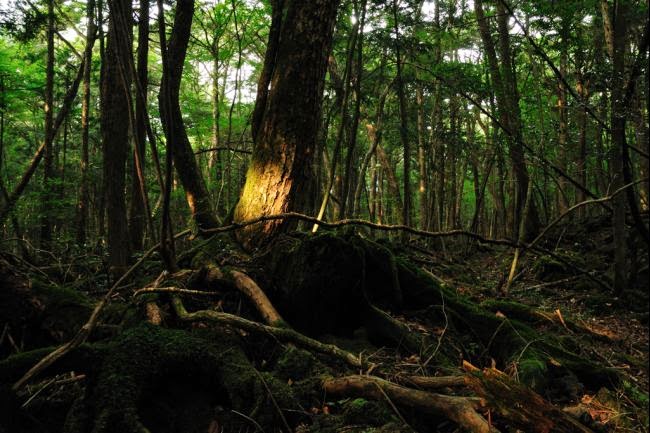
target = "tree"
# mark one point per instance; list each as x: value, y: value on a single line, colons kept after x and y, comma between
x: 286, y: 116
x: 178, y: 142
x: 83, y: 200
x: 137, y: 212
x: 116, y: 86
x: 46, y: 222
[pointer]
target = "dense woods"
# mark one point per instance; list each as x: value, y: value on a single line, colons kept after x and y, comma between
x: 324, y: 215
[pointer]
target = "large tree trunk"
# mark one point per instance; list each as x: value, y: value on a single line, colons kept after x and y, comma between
x: 196, y: 191
x: 287, y: 115
x: 115, y: 132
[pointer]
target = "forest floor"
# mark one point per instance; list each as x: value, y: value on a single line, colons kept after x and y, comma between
x: 581, y: 352
x: 550, y: 287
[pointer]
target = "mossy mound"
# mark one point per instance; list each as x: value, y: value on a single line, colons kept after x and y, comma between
x: 153, y: 375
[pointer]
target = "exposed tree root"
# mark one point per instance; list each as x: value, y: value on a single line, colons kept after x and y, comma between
x: 461, y: 410
x: 521, y: 407
x: 282, y: 334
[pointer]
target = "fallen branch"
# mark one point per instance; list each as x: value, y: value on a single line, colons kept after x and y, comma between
x: 461, y: 410
x: 359, y: 222
x: 407, y: 229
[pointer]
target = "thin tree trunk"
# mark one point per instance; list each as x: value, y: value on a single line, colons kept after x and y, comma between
x: 137, y: 218
x: 46, y: 221
x: 342, y: 124
x: 563, y: 130
x: 615, y: 37
x: 188, y: 171
x: 374, y: 136
x: 84, y: 196
x: 403, y: 129
x: 347, y: 199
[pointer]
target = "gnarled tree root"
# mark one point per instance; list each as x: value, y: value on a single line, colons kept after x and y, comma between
x: 461, y: 410
x: 282, y: 334
x: 521, y: 407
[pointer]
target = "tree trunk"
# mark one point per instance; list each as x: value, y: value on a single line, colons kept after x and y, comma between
x: 137, y: 215
x: 46, y: 221
x: 280, y: 174
x: 403, y: 126
x: 84, y: 197
x: 115, y: 133
x: 517, y: 157
x: 615, y: 37
x: 563, y: 131
x: 347, y: 198
x: 188, y: 171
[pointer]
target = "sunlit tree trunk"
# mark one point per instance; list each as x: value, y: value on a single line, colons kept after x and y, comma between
x: 287, y: 115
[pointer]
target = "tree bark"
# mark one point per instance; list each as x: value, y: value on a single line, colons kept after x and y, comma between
x: 286, y: 119
x: 84, y: 196
x: 188, y: 171
x: 403, y: 127
x: 46, y: 221
x: 115, y: 133
x: 137, y: 219
x: 615, y: 28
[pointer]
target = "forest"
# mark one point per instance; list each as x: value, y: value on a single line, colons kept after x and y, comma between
x: 324, y: 216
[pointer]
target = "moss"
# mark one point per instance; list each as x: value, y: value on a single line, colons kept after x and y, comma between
x: 370, y: 413
x: 317, y: 284
x: 153, y: 374
x: 294, y: 364
x: 511, y: 309
x: 506, y: 340
x: 533, y: 371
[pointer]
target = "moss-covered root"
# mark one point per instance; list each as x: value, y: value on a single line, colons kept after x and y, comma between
x: 461, y: 410
x: 520, y: 407
x: 507, y: 340
x: 161, y: 380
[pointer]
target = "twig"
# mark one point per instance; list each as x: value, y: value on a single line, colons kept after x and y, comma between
x: 173, y: 289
